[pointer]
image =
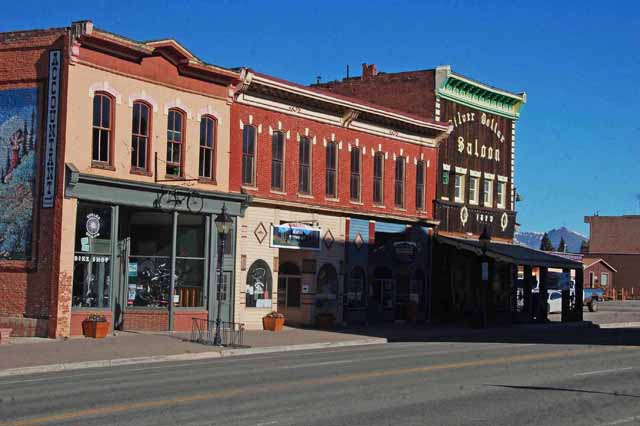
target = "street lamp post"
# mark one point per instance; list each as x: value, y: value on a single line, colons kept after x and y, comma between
x: 223, y: 225
x: 485, y: 241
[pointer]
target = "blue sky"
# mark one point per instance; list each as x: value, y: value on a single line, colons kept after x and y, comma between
x: 578, y: 147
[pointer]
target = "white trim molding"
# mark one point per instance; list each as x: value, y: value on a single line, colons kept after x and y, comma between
x: 177, y: 103
x: 489, y: 176
x: 503, y: 179
x: 446, y: 167
x: 104, y: 86
x: 475, y: 173
x: 461, y: 171
x: 143, y: 96
x: 209, y: 110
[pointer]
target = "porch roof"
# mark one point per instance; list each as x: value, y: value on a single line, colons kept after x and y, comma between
x: 511, y: 253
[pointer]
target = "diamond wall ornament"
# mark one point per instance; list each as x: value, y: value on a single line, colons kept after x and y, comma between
x: 358, y: 241
x: 328, y: 239
x: 260, y: 232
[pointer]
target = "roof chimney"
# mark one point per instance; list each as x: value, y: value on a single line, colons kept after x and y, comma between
x: 369, y: 71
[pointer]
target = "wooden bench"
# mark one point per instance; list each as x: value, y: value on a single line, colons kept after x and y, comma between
x: 5, y: 334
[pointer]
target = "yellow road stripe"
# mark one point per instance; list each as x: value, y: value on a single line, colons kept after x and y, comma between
x: 307, y: 382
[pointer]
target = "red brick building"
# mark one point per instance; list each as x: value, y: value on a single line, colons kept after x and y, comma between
x: 355, y: 179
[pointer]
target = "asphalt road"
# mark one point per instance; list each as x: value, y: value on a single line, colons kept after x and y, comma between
x: 575, y: 377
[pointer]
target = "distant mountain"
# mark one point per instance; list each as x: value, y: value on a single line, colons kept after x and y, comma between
x: 572, y: 239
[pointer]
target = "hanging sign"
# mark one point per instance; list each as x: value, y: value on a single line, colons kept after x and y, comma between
x: 298, y: 236
x: 51, y: 129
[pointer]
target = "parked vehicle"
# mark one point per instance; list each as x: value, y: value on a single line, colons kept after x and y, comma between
x: 554, y: 302
x: 592, y: 297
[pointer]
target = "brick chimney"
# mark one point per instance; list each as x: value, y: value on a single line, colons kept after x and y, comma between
x: 369, y: 71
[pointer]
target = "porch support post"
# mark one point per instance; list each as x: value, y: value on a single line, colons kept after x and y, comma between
x: 513, y: 277
x: 528, y: 284
x: 172, y: 289
x: 579, y: 287
x: 544, y: 296
x: 566, y: 300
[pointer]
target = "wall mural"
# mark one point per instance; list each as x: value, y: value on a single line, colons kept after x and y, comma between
x: 18, y: 140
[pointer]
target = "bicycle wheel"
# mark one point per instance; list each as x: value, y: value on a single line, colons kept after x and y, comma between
x: 194, y: 202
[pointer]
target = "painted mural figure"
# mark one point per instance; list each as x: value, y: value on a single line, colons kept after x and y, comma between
x: 18, y: 135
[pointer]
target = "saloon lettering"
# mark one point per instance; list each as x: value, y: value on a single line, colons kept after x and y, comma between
x: 481, y: 151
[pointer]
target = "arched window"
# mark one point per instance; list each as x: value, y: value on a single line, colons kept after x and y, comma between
x: 259, y: 285
x: 248, y: 155
x: 207, y: 147
x: 327, y: 287
x: 140, y: 131
x: 175, y: 143
x: 331, y: 181
x: 354, y: 183
x: 277, y: 161
x: 102, y: 139
x: 356, y: 295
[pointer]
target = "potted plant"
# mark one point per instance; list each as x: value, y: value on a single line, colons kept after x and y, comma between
x: 274, y: 321
x: 96, y: 326
x: 325, y: 320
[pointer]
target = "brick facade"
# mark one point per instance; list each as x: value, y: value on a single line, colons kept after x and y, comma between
x: 320, y: 134
x: 27, y: 286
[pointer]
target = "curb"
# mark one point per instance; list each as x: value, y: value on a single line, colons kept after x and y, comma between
x: 52, y: 368
x: 620, y: 325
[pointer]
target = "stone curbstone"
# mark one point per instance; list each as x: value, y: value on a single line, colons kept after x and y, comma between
x: 192, y: 356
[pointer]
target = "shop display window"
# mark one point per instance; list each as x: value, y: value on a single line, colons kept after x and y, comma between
x: 92, y: 257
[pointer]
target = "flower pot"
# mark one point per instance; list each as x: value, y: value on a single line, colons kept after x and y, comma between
x: 95, y: 329
x: 272, y: 324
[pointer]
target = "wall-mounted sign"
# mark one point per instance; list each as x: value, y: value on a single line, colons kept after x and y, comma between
x: 478, y: 151
x: 51, y: 132
x: 297, y: 236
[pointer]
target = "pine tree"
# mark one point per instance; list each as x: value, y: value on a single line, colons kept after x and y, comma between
x: 584, y: 247
x: 545, y: 244
x: 562, y: 247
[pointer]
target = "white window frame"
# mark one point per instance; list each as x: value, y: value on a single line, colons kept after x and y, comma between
x: 459, y: 186
x: 602, y: 278
x: 501, y: 195
x: 475, y: 190
x: 487, y: 201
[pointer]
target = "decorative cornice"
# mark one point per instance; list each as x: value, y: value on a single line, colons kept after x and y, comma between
x: 460, y: 89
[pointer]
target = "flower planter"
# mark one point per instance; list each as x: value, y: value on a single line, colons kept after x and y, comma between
x: 95, y: 329
x: 272, y: 324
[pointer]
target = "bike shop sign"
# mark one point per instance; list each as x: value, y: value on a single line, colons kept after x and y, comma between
x: 297, y: 236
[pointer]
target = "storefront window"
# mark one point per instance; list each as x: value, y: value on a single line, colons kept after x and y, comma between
x: 150, y: 260
x: 92, y: 259
x: 258, y: 287
x: 355, y: 294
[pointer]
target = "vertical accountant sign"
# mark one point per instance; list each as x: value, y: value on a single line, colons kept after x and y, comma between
x: 51, y: 135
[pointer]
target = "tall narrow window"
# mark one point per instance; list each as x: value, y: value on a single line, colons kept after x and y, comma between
x: 102, y: 128
x: 140, y: 126
x: 304, y: 166
x: 459, y: 188
x: 474, y: 189
x: 420, y: 179
x: 501, y: 195
x: 354, y: 183
x: 248, y: 155
x: 277, y: 161
x: 378, y: 178
x: 207, y: 147
x: 488, y: 193
x: 175, y: 142
x: 399, y: 182
x: 332, y: 170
